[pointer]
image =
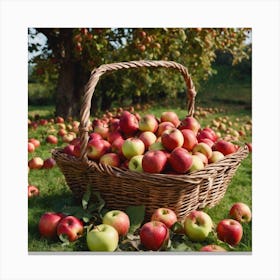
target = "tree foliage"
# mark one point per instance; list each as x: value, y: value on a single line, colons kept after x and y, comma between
x: 71, y: 53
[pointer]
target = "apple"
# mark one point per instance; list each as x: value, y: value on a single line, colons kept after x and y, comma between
x: 43, y: 122
x: 111, y: 159
x: 229, y: 231
x: 180, y: 160
x: 202, y: 156
x: 49, y: 163
x: 59, y: 119
x: 216, y: 156
x: 154, y: 235
x: 203, y: 148
x: 117, y: 219
x: 212, y: 248
x: 224, y: 147
x: 33, y: 191
x: 172, y: 138
x: 51, y: 139
x: 190, y: 139
x: 97, y: 148
x: 70, y: 227
x: 135, y: 163
x: 67, y: 138
x: 69, y: 149
x: 164, y: 215
x: 164, y: 126
x: 116, y: 146
x: 35, y: 142
x: 197, y: 163
x: 249, y: 145
x: 31, y: 147
x: 95, y: 136
x: 133, y: 147
x: 240, y: 212
x: 190, y: 123
x: 198, y: 225
x: 129, y: 124
x: 207, y: 141
x: 170, y: 117
x: 113, y: 135
x: 61, y: 132
x: 148, y: 138
x: 103, y: 238
x: 114, y: 124
x: 207, y: 133
x: 148, y: 123
x: 102, y: 129
x: 48, y: 224
x: 157, y: 146
x: 154, y: 161
x: 35, y: 163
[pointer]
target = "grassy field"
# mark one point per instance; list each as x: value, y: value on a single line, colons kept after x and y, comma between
x: 56, y: 196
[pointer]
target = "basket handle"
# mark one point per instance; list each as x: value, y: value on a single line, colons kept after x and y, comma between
x: 98, y: 72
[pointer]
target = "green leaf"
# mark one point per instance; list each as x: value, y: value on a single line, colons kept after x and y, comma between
x: 64, y: 239
x: 136, y: 216
x: 97, y: 204
x: 86, y: 197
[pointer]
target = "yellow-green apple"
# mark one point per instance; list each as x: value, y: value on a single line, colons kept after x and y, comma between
x: 35, y: 163
x: 33, y: 191
x: 31, y: 147
x: 61, y: 126
x: 164, y: 215
x: 190, y: 139
x: 69, y: 149
x: 229, y: 231
x: 117, y: 219
x: 67, y: 138
x: 172, y: 138
x: 135, y: 163
x: 70, y: 227
x: 240, y: 212
x: 216, y: 156
x: 132, y: 147
x: 198, y: 225
x: 190, y: 123
x: 35, y: 142
x: 164, y: 126
x: 97, y: 148
x: 103, y: 238
x: 212, y: 248
x: 51, y: 139
x: 197, y: 163
x: 129, y: 124
x: 203, y: 148
x: 148, y: 138
x: 224, y: 147
x: 48, y: 224
x: 49, y: 163
x: 111, y: 159
x: 180, y: 160
x: 157, y: 146
x: 148, y: 123
x: 154, y: 235
x: 202, y: 156
x: 154, y: 161
x: 170, y: 117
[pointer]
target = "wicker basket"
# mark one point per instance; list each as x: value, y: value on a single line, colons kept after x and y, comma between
x: 122, y: 188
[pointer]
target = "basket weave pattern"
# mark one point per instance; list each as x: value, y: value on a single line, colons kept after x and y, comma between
x: 121, y: 188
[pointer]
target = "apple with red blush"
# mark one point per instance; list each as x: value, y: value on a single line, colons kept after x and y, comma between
x: 164, y: 215
x: 70, y: 227
x: 180, y: 160
x: 154, y: 161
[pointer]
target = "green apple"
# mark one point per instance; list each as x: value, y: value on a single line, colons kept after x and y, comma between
x: 197, y: 163
x: 198, y: 225
x: 133, y: 147
x: 103, y: 238
x: 135, y: 163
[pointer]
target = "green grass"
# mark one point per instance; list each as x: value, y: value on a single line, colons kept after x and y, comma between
x: 234, y: 103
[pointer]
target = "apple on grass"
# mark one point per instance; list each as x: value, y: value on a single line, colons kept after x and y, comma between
x: 229, y: 231
x: 35, y: 142
x: 240, y: 212
x: 148, y: 123
x: 180, y: 160
x: 154, y: 161
x: 154, y: 235
x: 198, y: 225
x: 49, y: 163
x: 135, y: 163
x: 35, y: 163
x: 117, y: 219
x: 33, y: 191
x: 103, y: 238
x: 51, y: 139
x: 70, y: 227
x: 212, y: 248
x: 48, y: 224
x: 172, y: 138
x: 164, y: 215
x: 132, y: 147
x: 31, y: 147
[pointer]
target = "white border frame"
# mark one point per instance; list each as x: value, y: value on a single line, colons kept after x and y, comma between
x: 17, y: 16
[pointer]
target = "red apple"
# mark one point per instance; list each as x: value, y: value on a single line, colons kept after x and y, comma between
x: 114, y: 124
x: 154, y: 161
x: 229, y: 231
x: 207, y: 133
x: 164, y: 215
x: 240, y: 212
x: 59, y: 120
x: 31, y: 147
x: 212, y: 248
x: 69, y: 149
x: 249, y: 145
x: 203, y: 148
x: 154, y: 235
x: 172, y: 138
x: 102, y: 129
x: 119, y: 220
x: 148, y: 123
x: 148, y: 138
x: 207, y: 141
x: 164, y: 126
x: 48, y: 224
x: 190, y: 139
x: 43, y: 122
x: 224, y: 147
x: 35, y: 142
x: 170, y: 117
x: 116, y: 146
x: 33, y: 191
x: 97, y: 148
x: 133, y: 147
x: 129, y: 124
x: 62, y: 132
x: 35, y: 163
x: 49, y: 163
x: 180, y: 160
x: 70, y: 227
x: 95, y: 136
x: 111, y: 159
x: 190, y: 123
x: 113, y: 135
x: 51, y: 139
